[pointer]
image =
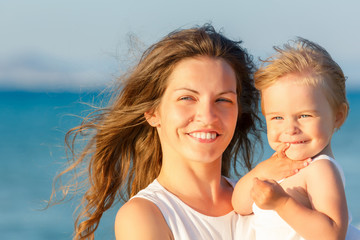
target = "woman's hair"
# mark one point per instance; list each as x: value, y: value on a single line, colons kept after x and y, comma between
x: 310, y: 61
x: 123, y: 154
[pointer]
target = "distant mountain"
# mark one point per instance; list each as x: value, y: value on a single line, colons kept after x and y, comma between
x: 38, y: 72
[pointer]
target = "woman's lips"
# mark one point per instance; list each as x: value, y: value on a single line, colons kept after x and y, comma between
x: 204, y: 135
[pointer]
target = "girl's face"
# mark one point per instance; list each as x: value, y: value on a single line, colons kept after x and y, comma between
x: 198, y: 112
x: 300, y: 115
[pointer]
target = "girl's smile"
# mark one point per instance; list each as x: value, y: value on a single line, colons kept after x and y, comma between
x: 298, y: 114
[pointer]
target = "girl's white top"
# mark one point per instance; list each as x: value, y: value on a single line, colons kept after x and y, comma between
x: 186, y: 223
x: 268, y: 225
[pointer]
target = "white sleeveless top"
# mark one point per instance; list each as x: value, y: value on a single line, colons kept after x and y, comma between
x: 268, y: 225
x: 185, y: 223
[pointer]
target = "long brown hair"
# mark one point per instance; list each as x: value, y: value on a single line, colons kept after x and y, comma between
x: 123, y: 154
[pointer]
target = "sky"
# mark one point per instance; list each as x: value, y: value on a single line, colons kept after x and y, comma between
x: 78, y: 45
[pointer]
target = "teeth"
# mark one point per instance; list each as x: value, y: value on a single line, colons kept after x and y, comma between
x: 204, y: 135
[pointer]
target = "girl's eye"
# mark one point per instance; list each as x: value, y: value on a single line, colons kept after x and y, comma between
x: 305, y: 116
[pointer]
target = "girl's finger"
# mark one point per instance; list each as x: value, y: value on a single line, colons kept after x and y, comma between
x: 281, y: 149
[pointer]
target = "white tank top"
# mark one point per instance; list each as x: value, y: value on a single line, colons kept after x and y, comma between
x: 186, y: 223
x: 268, y: 225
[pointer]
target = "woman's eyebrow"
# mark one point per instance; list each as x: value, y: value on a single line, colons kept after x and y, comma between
x: 194, y: 91
x: 226, y: 92
x: 187, y: 89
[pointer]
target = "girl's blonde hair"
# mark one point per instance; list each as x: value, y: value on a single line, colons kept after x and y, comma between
x: 123, y: 154
x: 312, y: 62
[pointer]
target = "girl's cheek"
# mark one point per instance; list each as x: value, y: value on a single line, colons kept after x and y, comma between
x: 273, y: 136
x: 270, y: 131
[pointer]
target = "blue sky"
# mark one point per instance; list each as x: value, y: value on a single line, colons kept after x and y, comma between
x: 75, y: 45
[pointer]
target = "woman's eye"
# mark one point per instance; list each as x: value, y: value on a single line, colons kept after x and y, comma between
x: 186, y: 98
x: 224, y: 100
x: 277, y: 118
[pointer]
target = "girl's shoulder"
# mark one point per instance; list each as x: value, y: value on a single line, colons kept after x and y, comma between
x: 324, y: 177
x: 325, y: 188
x: 323, y: 167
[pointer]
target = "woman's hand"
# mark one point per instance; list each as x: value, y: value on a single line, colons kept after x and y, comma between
x: 279, y: 166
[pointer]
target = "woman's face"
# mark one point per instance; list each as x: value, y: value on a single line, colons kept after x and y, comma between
x: 198, y: 112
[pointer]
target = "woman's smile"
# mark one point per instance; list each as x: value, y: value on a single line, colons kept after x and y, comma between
x: 199, y: 109
x: 204, y: 136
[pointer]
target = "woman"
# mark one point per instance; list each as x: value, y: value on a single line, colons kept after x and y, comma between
x: 184, y: 115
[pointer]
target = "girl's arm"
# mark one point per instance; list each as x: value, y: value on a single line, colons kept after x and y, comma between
x: 329, y: 217
x: 276, y: 167
x: 141, y: 219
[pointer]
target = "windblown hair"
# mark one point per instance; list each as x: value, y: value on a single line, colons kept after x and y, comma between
x: 124, y: 154
x: 310, y: 61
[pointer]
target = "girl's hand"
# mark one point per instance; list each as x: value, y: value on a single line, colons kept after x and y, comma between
x: 279, y: 166
x: 268, y: 194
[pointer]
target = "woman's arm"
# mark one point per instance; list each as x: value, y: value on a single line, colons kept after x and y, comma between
x: 329, y: 217
x: 140, y: 219
x: 276, y: 167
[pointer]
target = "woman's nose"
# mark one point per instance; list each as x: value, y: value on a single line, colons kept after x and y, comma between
x: 206, y: 113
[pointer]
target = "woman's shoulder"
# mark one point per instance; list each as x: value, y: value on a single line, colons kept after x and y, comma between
x: 141, y: 219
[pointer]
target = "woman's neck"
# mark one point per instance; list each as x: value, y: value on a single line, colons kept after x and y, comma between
x: 199, y: 185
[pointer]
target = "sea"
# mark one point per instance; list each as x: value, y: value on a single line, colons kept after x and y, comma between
x: 32, y: 152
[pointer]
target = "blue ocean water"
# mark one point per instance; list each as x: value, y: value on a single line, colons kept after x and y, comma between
x: 32, y: 132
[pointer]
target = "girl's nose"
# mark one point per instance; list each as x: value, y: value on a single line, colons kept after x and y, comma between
x: 291, y: 127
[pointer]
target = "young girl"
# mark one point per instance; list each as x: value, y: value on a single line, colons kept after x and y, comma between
x: 169, y: 140
x: 304, y: 102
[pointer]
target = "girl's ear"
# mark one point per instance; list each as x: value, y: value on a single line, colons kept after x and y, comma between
x: 341, y: 115
x: 152, y: 117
